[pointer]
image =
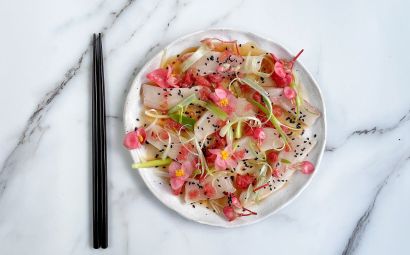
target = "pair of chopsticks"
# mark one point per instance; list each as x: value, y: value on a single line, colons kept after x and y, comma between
x: 99, y: 149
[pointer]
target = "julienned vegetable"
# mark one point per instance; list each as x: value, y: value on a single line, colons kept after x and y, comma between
x: 228, y: 124
x: 181, y: 118
x: 152, y: 163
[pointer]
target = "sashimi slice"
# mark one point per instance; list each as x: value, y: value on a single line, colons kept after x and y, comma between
x: 272, y: 140
x: 274, y: 184
x: 300, y: 146
x: 274, y: 92
x: 307, y: 113
x: 244, y: 144
x: 158, y: 137
x: 212, y: 63
x: 213, y: 187
x: 207, y: 125
x: 164, y: 99
x: 243, y: 108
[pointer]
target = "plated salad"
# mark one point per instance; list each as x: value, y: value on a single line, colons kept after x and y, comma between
x: 227, y: 125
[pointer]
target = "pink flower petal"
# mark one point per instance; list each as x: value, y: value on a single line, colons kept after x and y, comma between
x: 220, y: 164
x: 215, y: 151
x: 229, y: 149
x: 235, y: 201
x: 176, y: 183
x: 229, y: 213
x: 188, y: 168
x: 131, y: 141
x: 289, y: 92
x: 173, y: 167
x: 307, y: 167
x: 221, y: 93
x: 231, y: 163
x: 278, y: 68
x: 214, y: 98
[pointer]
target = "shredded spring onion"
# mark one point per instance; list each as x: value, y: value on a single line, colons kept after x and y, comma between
x: 229, y: 135
x: 168, y: 143
x: 273, y: 120
x: 238, y: 130
x: 228, y: 125
x: 183, y: 143
x: 212, y: 108
x: 155, y: 114
x: 152, y: 163
x: 253, y: 64
x: 285, y: 161
x: 252, y: 149
x: 183, y: 119
x: 162, y: 174
x: 202, y: 160
x: 298, y: 101
x: 199, y: 53
x: 187, y: 101
x: 163, y: 58
x: 168, y: 148
x: 253, y: 84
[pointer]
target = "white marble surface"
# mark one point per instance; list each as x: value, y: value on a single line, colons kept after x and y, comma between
x: 358, y: 51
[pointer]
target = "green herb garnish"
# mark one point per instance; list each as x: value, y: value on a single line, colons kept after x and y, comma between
x: 152, y: 163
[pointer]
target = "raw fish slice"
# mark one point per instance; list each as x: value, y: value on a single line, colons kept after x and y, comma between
x: 300, y: 147
x: 213, y: 187
x: 210, y: 62
x: 207, y: 125
x: 158, y: 137
x: 272, y: 140
x: 164, y: 99
x: 307, y: 113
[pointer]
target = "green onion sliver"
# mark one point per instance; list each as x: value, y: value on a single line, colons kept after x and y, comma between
x: 212, y: 108
x: 199, y: 53
x: 238, y: 130
x: 183, y: 119
x: 297, y: 99
x: 187, y: 101
x: 253, y: 84
x: 273, y: 120
x: 152, y: 163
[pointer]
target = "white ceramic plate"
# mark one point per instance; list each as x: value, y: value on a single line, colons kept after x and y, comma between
x: 133, y: 110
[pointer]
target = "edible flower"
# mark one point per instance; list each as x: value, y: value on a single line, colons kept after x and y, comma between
x: 289, y: 92
x: 178, y: 174
x: 224, y: 158
x: 134, y: 139
x: 282, y: 70
x: 224, y: 99
x: 231, y: 214
x: 163, y: 77
x: 305, y: 167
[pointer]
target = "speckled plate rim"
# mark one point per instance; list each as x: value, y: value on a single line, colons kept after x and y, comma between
x: 306, y: 72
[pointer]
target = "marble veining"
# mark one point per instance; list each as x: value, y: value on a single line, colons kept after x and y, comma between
x: 357, y: 204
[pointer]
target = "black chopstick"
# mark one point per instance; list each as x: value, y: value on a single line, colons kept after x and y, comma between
x: 99, y: 149
x: 96, y: 213
x: 104, y: 226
